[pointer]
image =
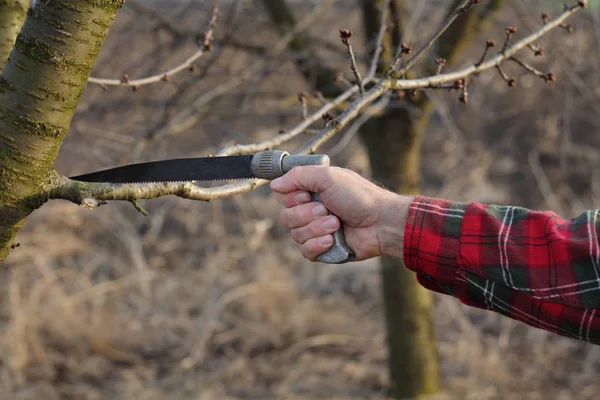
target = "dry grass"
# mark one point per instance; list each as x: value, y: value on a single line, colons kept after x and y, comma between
x: 213, y: 300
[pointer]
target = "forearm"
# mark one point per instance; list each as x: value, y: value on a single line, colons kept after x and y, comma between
x: 390, y: 235
x: 531, y: 266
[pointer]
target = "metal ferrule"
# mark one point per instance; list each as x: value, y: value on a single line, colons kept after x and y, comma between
x: 272, y: 164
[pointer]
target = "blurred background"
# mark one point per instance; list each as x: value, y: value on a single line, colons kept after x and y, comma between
x: 213, y: 300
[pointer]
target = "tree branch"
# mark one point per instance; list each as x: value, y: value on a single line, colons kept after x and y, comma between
x: 402, y: 69
x: 188, y: 64
x: 82, y: 192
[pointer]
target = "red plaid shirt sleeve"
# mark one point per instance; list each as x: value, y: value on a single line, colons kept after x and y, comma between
x: 531, y: 266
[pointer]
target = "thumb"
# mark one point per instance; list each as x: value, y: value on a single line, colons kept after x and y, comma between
x: 311, y: 178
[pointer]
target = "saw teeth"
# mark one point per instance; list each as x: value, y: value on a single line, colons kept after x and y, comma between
x: 171, y: 182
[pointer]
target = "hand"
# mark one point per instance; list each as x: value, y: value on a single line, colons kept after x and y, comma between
x: 373, y: 217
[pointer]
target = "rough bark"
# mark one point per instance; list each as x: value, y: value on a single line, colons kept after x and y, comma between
x: 12, y: 15
x: 393, y: 143
x: 40, y: 88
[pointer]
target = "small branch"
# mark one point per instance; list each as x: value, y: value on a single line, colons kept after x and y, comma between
x: 509, y: 81
x: 340, y: 77
x: 510, y: 31
x: 549, y: 77
x: 303, y: 98
x: 380, y: 36
x: 567, y: 27
x: 400, y: 70
x: 291, y: 134
x: 491, y: 63
x: 366, y: 116
x: 139, y: 207
x: 346, y: 35
x: 319, y: 96
x: 92, y: 194
x: 488, y: 45
x: 441, y: 63
x: 188, y: 64
x: 538, y: 51
x: 464, y: 97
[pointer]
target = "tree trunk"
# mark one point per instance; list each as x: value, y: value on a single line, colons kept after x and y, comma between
x: 393, y: 143
x: 12, y: 15
x: 40, y: 88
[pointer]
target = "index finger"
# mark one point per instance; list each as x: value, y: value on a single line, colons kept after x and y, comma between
x: 310, y: 178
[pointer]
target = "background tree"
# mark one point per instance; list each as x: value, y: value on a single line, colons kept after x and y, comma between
x: 28, y: 175
x: 393, y: 140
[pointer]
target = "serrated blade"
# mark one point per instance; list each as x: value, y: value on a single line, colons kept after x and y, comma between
x: 176, y: 170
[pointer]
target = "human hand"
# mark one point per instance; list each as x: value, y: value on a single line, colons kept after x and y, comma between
x: 373, y: 218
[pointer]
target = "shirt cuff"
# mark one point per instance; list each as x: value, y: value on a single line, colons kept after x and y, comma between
x: 431, y: 241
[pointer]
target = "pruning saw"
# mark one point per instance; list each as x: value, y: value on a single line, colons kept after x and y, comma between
x: 269, y: 164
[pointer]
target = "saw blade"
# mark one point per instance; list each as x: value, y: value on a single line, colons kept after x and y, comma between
x: 175, y: 170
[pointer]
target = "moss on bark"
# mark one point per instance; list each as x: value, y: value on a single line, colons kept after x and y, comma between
x: 40, y: 88
x: 12, y: 15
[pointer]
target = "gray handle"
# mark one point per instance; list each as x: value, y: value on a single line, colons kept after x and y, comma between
x: 271, y: 164
x: 339, y: 252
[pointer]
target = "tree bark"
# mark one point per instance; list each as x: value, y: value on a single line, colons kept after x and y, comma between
x: 40, y: 88
x: 12, y: 15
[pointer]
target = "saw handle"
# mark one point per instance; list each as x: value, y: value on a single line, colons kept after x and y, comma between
x: 339, y: 252
x: 271, y: 164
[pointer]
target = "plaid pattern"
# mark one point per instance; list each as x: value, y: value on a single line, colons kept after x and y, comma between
x: 531, y: 266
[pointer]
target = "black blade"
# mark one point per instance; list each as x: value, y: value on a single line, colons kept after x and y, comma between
x: 177, y: 170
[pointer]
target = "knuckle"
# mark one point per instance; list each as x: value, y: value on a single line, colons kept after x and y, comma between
x: 284, y: 217
x: 316, y: 227
x: 306, y: 253
x: 294, y: 174
x: 296, y: 236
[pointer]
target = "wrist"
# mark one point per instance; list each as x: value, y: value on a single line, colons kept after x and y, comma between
x: 392, y: 222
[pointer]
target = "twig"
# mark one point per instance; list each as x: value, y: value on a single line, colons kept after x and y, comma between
x: 491, y: 63
x: 510, y: 31
x: 363, y: 119
x: 188, y: 64
x: 509, y: 81
x: 187, y: 117
x: 346, y: 35
x: 441, y: 63
x: 538, y: 51
x: 488, y: 45
x: 464, y: 97
x: 302, y: 97
x: 400, y: 70
x: 286, y: 137
x: 549, y: 77
x: 380, y: 36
